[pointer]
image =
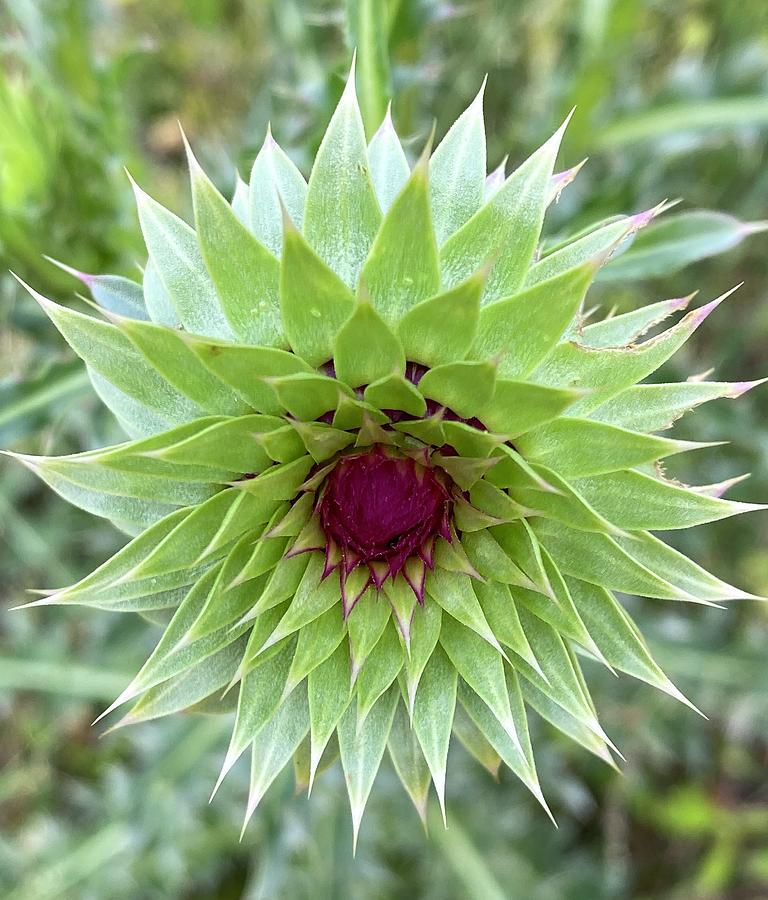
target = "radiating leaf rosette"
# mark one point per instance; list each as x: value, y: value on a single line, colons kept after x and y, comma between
x: 383, y: 482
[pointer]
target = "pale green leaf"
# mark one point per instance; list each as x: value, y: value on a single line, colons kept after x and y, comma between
x: 403, y: 602
x: 135, y: 419
x: 606, y: 372
x: 425, y: 632
x: 353, y: 413
x: 402, y: 267
x: 157, y: 299
x: 597, y: 241
x: 236, y: 443
x: 560, y: 683
x: 245, y: 369
x: 617, y: 636
x: 465, y: 471
x: 517, y: 407
x: 379, y: 670
x: 636, y: 501
x: 395, y: 392
x: 190, y: 687
x: 228, y: 602
x: 510, y: 467
x: 453, y: 592
x: 464, y: 387
x: 362, y: 749
x: 282, y: 584
x: 118, y: 295
x: 365, y: 349
x: 342, y: 215
x: 570, y: 725
x: 576, y: 448
x: 408, y: 760
x: 441, y: 329
x: 307, y: 396
x: 500, y: 610
x: 676, y: 568
x: 599, y: 559
x: 313, y: 597
x: 205, y: 531
x: 366, y: 624
x: 471, y: 441
x: 564, y: 503
x: 329, y: 696
x: 491, y: 561
x: 168, y: 353
x: 265, y: 554
x: 173, y: 654
x: 260, y: 695
x: 494, y: 502
x: 433, y: 712
x: 244, y: 273
x: 368, y: 22
x: 638, y: 564
x: 428, y: 430
x: 274, y: 746
x: 491, y: 729
x: 274, y: 179
x: 317, y: 641
x: 116, y: 570
x: 522, y: 329
x: 389, y: 167
x: 175, y: 253
x: 314, y: 301
x: 475, y: 742
x: 134, y: 497
x: 624, y: 329
x: 112, y: 292
x: 481, y: 667
x: 239, y: 201
x: 322, y: 442
x: 656, y: 407
x: 279, y: 482
x: 508, y: 225
x: 558, y: 609
x: 109, y: 352
x: 519, y: 542
x: 457, y: 171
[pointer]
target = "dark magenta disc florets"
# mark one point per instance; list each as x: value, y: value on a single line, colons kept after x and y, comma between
x: 381, y: 510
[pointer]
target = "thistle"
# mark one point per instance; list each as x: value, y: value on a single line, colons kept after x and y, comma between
x: 383, y: 480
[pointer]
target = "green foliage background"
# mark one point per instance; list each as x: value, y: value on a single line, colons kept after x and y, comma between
x: 672, y: 100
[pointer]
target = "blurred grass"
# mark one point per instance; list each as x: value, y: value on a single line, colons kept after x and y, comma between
x: 671, y: 101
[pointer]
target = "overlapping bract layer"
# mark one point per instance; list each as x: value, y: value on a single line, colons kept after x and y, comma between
x: 382, y: 313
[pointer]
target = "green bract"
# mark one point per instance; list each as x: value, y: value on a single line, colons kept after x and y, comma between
x: 404, y: 317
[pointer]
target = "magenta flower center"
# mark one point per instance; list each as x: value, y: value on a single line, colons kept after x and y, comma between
x: 379, y: 507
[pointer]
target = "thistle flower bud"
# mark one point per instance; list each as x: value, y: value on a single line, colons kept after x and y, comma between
x: 378, y: 468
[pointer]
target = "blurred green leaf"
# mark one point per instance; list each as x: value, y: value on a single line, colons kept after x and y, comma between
x: 708, y: 115
x: 67, y: 678
x: 676, y: 241
x: 369, y: 32
x: 26, y: 404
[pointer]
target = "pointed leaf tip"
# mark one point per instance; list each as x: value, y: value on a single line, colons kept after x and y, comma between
x: 641, y: 219
x: 85, y: 277
x: 481, y: 92
x: 422, y: 163
x: 741, y: 387
x: 566, y: 123
x: 697, y: 316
